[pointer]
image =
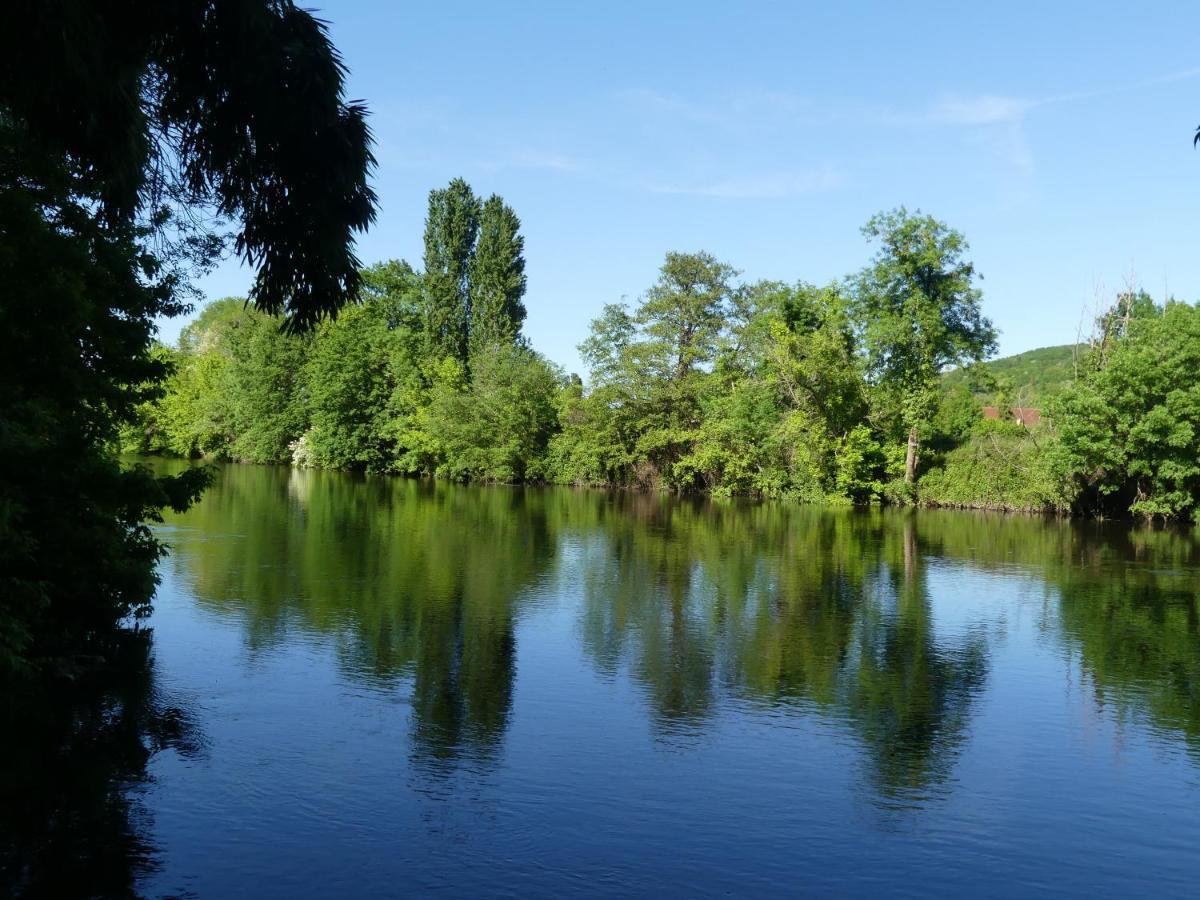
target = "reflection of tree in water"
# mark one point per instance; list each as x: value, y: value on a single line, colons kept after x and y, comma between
x: 786, y: 607
x: 1124, y: 600
x: 464, y: 670
x: 411, y: 580
x: 802, y: 607
x: 70, y: 764
x: 641, y: 592
x: 1129, y: 605
x: 909, y: 696
x: 797, y: 608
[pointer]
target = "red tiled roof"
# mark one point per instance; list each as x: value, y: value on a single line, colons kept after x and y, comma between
x: 1022, y: 415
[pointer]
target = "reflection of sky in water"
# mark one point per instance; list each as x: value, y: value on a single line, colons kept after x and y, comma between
x: 672, y: 702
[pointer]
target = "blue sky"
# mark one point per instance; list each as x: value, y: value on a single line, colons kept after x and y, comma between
x: 1056, y: 136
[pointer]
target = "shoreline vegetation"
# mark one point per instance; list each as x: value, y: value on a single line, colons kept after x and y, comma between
x: 870, y: 389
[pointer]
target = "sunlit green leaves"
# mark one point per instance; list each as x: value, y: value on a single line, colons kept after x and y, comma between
x: 1130, y: 429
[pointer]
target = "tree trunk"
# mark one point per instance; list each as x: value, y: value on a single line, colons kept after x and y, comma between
x: 910, y: 461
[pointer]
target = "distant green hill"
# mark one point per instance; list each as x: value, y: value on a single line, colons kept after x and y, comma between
x: 1034, y: 376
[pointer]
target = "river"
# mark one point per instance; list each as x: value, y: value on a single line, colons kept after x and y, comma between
x: 380, y: 687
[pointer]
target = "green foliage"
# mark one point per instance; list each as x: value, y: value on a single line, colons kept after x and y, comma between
x: 362, y: 392
x: 194, y: 411
x: 918, y: 311
x: 592, y: 446
x: 120, y: 127
x: 474, y: 277
x: 348, y: 389
x: 858, y: 462
x: 146, y: 433
x: 737, y: 448
x: 733, y: 389
x: 959, y: 413
x: 1000, y: 466
x: 787, y: 418
x: 358, y: 372
x: 650, y: 370
x: 450, y: 231
x: 237, y: 389
x: 76, y: 557
x: 707, y: 384
x: 497, y: 426
x: 267, y: 409
x: 497, y: 277
x: 1130, y: 427
x: 812, y: 362
x: 684, y: 313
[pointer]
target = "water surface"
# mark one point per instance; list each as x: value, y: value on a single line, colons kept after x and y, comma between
x: 378, y: 687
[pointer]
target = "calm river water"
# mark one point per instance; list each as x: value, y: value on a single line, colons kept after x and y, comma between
x: 383, y: 687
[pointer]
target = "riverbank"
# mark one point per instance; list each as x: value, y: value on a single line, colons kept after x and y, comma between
x: 978, y: 502
x: 780, y: 391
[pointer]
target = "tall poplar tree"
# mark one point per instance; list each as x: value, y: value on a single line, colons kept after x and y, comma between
x: 497, y: 277
x: 450, y: 231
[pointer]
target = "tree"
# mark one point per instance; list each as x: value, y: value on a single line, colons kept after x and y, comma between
x: 599, y: 427
x: 266, y: 402
x: 451, y: 227
x: 236, y: 390
x: 194, y: 411
x: 682, y: 319
x: 649, y: 371
x: 813, y: 364
x: 918, y: 311
x: 497, y: 426
x: 75, y: 365
x: 685, y: 312
x: 784, y: 416
x: 357, y: 369
x: 121, y: 128
x: 497, y: 277
x: 183, y: 102
x: 1129, y: 428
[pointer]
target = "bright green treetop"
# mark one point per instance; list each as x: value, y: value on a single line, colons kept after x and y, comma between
x: 450, y: 231
x: 497, y: 277
x: 1129, y: 429
x: 685, y: 312
x: 918, y: 311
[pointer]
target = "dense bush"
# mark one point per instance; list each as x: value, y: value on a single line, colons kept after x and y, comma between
x: 1001, y: 465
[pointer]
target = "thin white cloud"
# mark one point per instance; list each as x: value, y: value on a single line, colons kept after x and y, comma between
x: 997, y: 109
x: 749, y: 145
x: 731, y: 110
x: 536, y: 160
x: 985, y: 109
x: 1170, y: 77
x: 543, y: 159
x: 732, y: 145
x: 759, y: 186
x: 657, y: 101
x: 999, y: 120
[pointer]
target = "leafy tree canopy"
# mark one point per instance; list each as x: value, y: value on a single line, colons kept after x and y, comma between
x: 237, y: 107
x: 129, y: 134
